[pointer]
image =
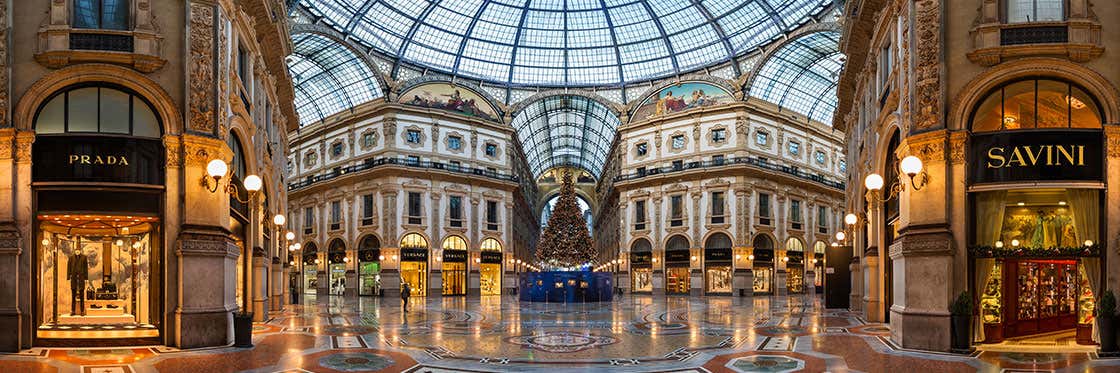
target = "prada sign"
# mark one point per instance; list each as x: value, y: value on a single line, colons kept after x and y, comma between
x: 1014, y: 156
x: 103, y: 159
x: 677, y: 256
x: 641, y: 258
x: 717, y: 255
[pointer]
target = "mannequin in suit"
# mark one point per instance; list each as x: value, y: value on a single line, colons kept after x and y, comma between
x: 77, y: 271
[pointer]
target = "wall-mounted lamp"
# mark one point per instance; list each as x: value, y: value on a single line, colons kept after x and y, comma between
x: 750, y: 257
x: 694, y: 258
x: 297, y: 246
x: 317, y: 261
x: 910, y: 166
x: 290, y: 235
x: 280, y: 220
x: 394, y: 257
x: 346, y: 259
x: 217, y: 169
x: 381, y: 257
x: 737, y: 257
x: 851, y: 219
x: 840, y: 236
x: 785, y: 259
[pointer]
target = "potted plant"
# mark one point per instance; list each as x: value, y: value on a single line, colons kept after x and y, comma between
x: 961, y: 318
x: 1106, y: 321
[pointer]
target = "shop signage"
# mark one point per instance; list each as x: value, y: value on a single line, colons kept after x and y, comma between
x: 638, y: 258
x: 717, y: 255
x: 369, y: 255
x: 796, y: 256
x: 100, y: 159
x: 455, y: 256
x: 763, y: 255
x: 491, y: 257
x: 414, y: 255
x: 1013, y: 156
x: 677, y: 256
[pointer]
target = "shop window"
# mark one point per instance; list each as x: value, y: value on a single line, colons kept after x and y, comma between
x: 414, y: 263
x: 1031, y: 104
x: 1021, y: 11
x: 415, y: 208
x: 492, y: 215
x: 639, y: 215
x: 367, y: 209
x: 718, y: 213
x: 454, y: 273
x: 676, y: 210
x: 455, y: 211
x: 1037, y: 219
x: 101, y: 14
x: 97, y: 109
x: 490, y: 268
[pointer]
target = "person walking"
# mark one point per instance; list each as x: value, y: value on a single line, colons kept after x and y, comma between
x: 406, y: 291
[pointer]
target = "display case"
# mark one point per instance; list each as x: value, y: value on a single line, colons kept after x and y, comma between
x: 795, y: 283
x: 642, y: 280
x: 1045, y: 293
x: 763, y: 277
x: 677, y: 280
x: 991, y: 306
x: 1086, y: 307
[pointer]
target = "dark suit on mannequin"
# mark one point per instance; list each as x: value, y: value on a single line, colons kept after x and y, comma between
x: 77, y: 271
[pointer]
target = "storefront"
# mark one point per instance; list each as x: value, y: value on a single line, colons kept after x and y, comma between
x: 454, y: 268
x: 717, y: 265
x: 414, y: 263
x: 762, y: 259
x: 98, y: 191
x: 1036, y: 198
x: 641, y: 267
x: 490, y: 267
x: 818, y: 265
x: 677, y: 262
x: 795, y: 265
x: 336, y: 275
x: 310, y: 268
x: 369, y: 266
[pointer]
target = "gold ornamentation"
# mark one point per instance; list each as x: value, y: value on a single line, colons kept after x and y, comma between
x: 201, y: 71
x: 928, y: 70
x: 957, y: 142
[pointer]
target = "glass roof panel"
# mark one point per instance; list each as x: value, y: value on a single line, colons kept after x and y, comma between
x: 328, y: 77
x: 542, y: 42
x: 566, y: 130
x: 796, y: 75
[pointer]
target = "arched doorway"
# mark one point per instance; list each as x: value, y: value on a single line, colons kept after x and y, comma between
x: 890, y: 213
x: 677, y: 262
x: 98, y: 255
x: 1035, y: 247
x: 641, y: 266
x: 414, y: 263
x: 336, y: 269
x: 310, y: 268
x: 717, y: 264
x: 762, y: 264
x: 795, y: 265
x: 369, y: 266
x: 454, y: 268
x: 490, y: 267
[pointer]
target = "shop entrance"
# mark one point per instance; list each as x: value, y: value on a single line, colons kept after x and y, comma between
x: 369, y: 266
x: 414, y: 264
x: 490, y: 268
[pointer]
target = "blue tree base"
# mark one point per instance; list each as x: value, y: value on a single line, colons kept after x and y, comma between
x: 566, y: 287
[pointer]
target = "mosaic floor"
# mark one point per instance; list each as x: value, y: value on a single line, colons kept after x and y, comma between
x: 632, y: 334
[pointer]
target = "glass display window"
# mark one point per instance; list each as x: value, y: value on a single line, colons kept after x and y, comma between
x: 310, y: 278
x: 1036, y: 218
x: 717, y: 279
x: 763, y: 278
x: 454, y: 278
x: 795, y: 282
x: 677, y: 280
x: 96, y: 274
x: 991, y: 296
x: 369, y: 278
x: 641, y: 280
x: 490, y: 278
x: 415, y: 274
x: 337, y: 278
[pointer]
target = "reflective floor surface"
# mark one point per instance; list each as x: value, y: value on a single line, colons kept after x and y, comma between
x: 631, y: 334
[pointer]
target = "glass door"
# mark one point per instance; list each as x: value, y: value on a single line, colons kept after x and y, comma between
x: 676, y: 280
x: 369, y: 278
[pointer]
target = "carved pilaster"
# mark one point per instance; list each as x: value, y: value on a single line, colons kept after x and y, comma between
x: 5, y: 101
x: 201, y: 73
x: 927, y: 69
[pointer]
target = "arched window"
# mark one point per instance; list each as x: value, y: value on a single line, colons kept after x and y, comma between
x: 369, y: 242
x: 794, y: 244
x: 336, y: 251
x: 1018, y: 11
x: 414, y: 241
x: 97, y: 109
x: 718, y: 241
x: 237, y: 166
x: 310, y: 251
x: 641, y: 245
x: 491, y: 244
x: 454, y: 243
x: 101, y: 14
x: 1036, y: 104
x: 763, y: 242
x: 819, y: 247
x: 677, y: 242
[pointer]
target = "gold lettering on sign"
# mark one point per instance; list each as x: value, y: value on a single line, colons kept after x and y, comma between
x: 110, y: 160
x: 1036, y: 155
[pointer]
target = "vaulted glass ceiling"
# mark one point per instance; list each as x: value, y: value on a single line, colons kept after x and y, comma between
x: 566, y: 130
x: 565, y: 42
x: 802, y: 76
x: 328, y: 77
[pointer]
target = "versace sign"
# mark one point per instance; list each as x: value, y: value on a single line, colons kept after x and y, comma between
x: 1012, y: 156
x: 414, y: 255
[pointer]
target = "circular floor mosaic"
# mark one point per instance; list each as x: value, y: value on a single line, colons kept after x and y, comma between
x: 356, y: 361
x: 767, y: 363
x: 562, y: 341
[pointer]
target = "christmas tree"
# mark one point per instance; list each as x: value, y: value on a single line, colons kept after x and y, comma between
x: 565, y: 241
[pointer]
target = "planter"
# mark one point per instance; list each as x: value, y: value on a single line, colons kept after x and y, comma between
x: 1106, y: 324
x: 242, y: 329
x: 960, y: 332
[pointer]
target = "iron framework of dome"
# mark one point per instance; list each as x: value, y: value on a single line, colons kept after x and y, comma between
x: 566, y: 130
x: 565, y: 42
x: 327, y: 77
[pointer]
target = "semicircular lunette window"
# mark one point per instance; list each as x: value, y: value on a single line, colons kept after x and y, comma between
x: 802, y: 76
x: 98, y: 109
x: 566, y: 130
x: 328, y: 78
x: 565, y: 43
x: 1036, y: 104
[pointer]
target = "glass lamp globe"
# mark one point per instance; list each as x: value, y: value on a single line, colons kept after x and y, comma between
x: 217, y: 168
x: 253, y: 183
x: 1088, y: 242
x: 873, y: 182
x: 851, y: 219
x: 290, y: 235
x: 840, y: 236
x: 297, y: 245
x: 279, y: 220
x: 911, y: 165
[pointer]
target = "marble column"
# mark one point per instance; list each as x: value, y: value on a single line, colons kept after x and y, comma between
x: 259, y: 286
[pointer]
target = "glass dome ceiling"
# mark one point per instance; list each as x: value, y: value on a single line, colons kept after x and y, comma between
x: 565, y: 42
x: 327, y: 77
x: 566, y: 130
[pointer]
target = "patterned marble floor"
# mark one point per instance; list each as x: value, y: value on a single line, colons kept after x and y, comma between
x: 632, y: 334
